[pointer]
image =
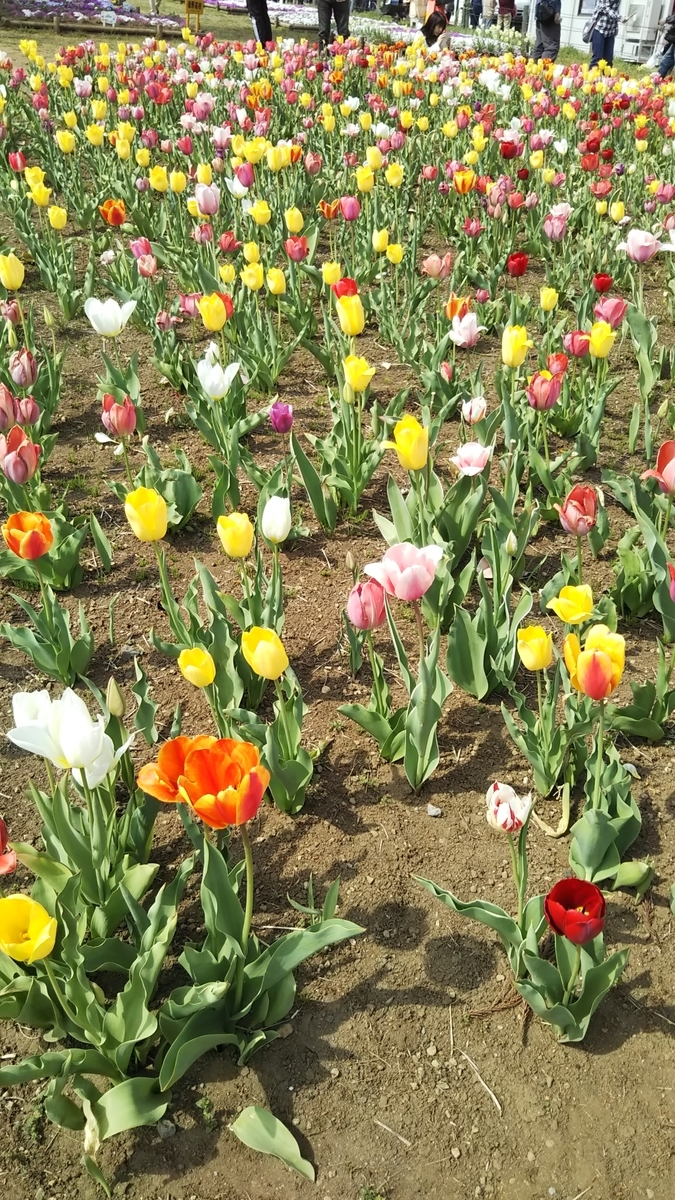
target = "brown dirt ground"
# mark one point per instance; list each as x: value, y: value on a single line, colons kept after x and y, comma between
x: 374, y: 1078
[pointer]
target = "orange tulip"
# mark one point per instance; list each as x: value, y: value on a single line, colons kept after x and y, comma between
x: 224, y: 783
x: 160, y: 779
x: 113, y: 212
x: 457, y: 306
x: 28, y: 535
x: 329, y: 209
x: 597, y: 669
x: 463, y: 181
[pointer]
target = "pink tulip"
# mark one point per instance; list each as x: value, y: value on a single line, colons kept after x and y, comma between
x: 543, y: 392
x: 10, y: 311
x: 23, y: 368
x: 555, y: 227
x: 405, y: 571
x: 140, y: 246
x: 27, y: 411
x: 579, y: 510
x: 7, y: 408
x: 166, y: 320
x: 313, y: 163
x: 118, y: 419
x: 665, y: 468
x: 188, y: 304
x: 446, y: 371
x: 365, y: 605
x: 430, y: 173
x: 436, y: 267
x: 472, y: 458
x: 482, y: 295
x: 147, y: 266
x: 245, y: 174
x: 474, y: 410
x: 18, y: 456
x: 202, y: 234
x: 640, y: 245
x: 465, y: 330
x: 611, y: 309
x: 350, y: 208
x: 208, y: 198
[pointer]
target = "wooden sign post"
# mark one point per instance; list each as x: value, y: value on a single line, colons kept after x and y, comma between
x: 196, y: 7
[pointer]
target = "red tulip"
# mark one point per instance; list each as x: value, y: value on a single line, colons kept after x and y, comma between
x: 557, y: 363
x: 296, y: 248
x: 350, y: 208
x: 228, y: 242
x: 579, y: 510
x: 665, y: 469
x: 18, y: 456
x: 602, y: 283
x: 516, y: 264
x: 17, y: 160
x: 577, y: 343
x: 7, y: 857
x: 589, y: 162
x: 118, y: 419
x: 575, y: 909
x: 345, y: 287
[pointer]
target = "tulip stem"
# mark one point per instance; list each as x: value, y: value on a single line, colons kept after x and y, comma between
x: 248, y: 912
x: 127, y: 465
x: 666, y: 523
x: 599, y: 748
x: 46, y: 607
x: 542, y: 425
x: 381, y: 708
x: 579, y: 562
x: 573, y: 977
x: 542, y: 731
x: 516, y: 878
x: 420, y: 630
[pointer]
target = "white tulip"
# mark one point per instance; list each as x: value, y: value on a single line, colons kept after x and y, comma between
x: 506, y: 811
x: 235, y: 188
x: 107, y: 317
x: 64, y: 732
x: 276, y: 519
x: 215, y: 381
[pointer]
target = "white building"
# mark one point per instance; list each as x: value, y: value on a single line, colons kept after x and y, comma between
x: 634, y: 40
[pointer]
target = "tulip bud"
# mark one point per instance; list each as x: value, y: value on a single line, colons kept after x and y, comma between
x: 12, y: 339
x: 48, y: 318
x: 276, y: 519
x: 663, y: 409
x: 511, y: 544
x: 23, y: 368
x: 350, y: 561
x: 114, y: 699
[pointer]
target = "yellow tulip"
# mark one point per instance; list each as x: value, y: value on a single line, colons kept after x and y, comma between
x: 329, y: 124
x: 535, y: 648
x: 125, y: 129
x: 252, y: 276
x: 33, y: 176
x: 366, y: 121
x: 380, y: 240
x: 537, y: 159
x: 515, y: 345
x: 395, y: 253
x: 193, y: 207
x: 548, y: 298
x: 197, y: 666
x: 374, y: 157
x: 260, y: 212
x: 601, y: 207
x: 70, y: 119
x: 178, y: 182
x: 158, y: 179
x: 394, y: 175
x: 423, y: 124
x: 57, y: 216
x: 123, y: 150
x: 264, y: 652
x: 407, y: 119
x: 602, y: 339
x: 236, y: 534
x: 276, y: 281
x: 65, y: 141
x: 94, y: 135
x: 251, y: 252
x: 11, y: 272
x: 411, y: 443
x: 40, y: 195
x: 350, y: 315
x: 573, y: 605
x: 548, y: 175
x: 27, y: 932
x: 294, y: 220
x: 617, y: 211
x: 331, y: 272
x: 142, y: 157
x: 99, y: 109
x: 358, y: 373
x: 278, y: 157
x: 146, y: 513
x: 365, y: 179
x: 227, y: 273
x: 204, y: 173
x: 213, y: 312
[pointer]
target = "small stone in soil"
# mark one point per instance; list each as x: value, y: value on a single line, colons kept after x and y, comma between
x: 434, y: 811
x: 334, y: 1072
x: 165, y: 1129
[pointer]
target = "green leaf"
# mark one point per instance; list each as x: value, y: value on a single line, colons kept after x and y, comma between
x: 325, y: 509
x: 466, y: 656
x: 102, y: 544
x: 260, y: 1130
x: 96, y: 1173
x: 56, y: 874
x: 545, y: 976
x: 129, y: 1104
x: 204, y: 1031
x: 479, y: 910
x: 147, y: 708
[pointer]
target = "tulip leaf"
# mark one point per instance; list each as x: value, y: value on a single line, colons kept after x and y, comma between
x: 56, y: 874
x: 101, y: 543
x: 96, y: 1173
x: 260, y: 1130
x: 203, y: 1031
x: 147, y: 708
x: 545, y: 976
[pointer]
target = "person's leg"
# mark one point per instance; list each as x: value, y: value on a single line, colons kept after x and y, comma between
x: 538, y: 51
x: 341, y: 12
x: 324, y: 9
x: 668, y: 61
x: 597, y: 47
x: 507, y: 21
x: 260, y: 20
x: 551, y: 42
x: 608, y: 53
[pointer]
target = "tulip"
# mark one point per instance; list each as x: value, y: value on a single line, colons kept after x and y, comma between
x: 8, y: 859
x: 276, y: 519
x: 515, y: 344
x: 223, y: 782
x: 664, y: 472
x: 158, y: 179
x: 40, y: 195
x: 208, y: 199
x: 236, y: 534
x: 463, y: 181
x: 573, y: 605
x: 406, y: 571
x: 577, y: 343
x: 358, y: 373
x: 640, y: 245
x: 350, y: 208
x: 366, y: 605
x: 394, y: 175
x: 161, y: 778
x: 197, y: 667
x: 350, y: 315
x: 294, y: 220
x: 114, y: 212
x: 457, y: 306
x: 297, y: 248
x: 436, y: 267
x: 612, y: 310
x: 602, y: 283
x: 260, y: 212
x: 331, y: 272
x: 506, y: 811
x: 23, y: 368
x: 251, y: 252
x: 276, y: 281
x: 27, y: 932
x: 178, y: 182
x: 107, y: 317
x: 345, y: 287
x: 264, y: 652
x: 64, y: 732
x: 543, y: 390
x: 7, y: 408
x: 411, y: 443
x: 394, y: 253
x: 28, y: 535
x: 578, y: 512
x: 281, y: 417
x: 516, y: 264
x: 575, y: 909
x: 19, y: 456
x: 118, y: 419
x: 474, y: 410
x: 11, y: 272
x: 471, y: 458
x: 10, y: 311
x: 380, y: 240
x: 216, y: 309
x: 535, y: 648
x: 466, y: 331
x: 602, y: 338
x: 146, y: 513
x: 597, y: 669
x: 365, y: 179
x: 65, y: 141
x: 548, y: 298
x: 557, y: 364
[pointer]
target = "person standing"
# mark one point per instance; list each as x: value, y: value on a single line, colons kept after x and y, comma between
x: 260, y: 20
x: 475, y: 13
x: 332, y: 8
x: 547, y: 17
x: 506, y: 13
x: 488, y: 13
x: 606, y: 23
x: 668, y: 57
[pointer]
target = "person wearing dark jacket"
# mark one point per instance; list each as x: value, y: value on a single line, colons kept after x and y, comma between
x: 260, y: 20
x: 606, y: 18
x: 668, y: 60
x: 547, y: 17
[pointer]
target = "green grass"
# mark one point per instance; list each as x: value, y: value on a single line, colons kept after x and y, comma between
x: 569, y: 55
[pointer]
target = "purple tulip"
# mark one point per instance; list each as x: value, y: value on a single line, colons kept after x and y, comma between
x: 281, y: 417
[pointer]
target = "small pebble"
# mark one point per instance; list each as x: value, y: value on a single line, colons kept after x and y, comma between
x: 431, y: 1050
x: 530, y: 1156
x: 434, y: 811
x: 334, y: 1072
x: 455, y: 1152
x: 165, y: 1128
